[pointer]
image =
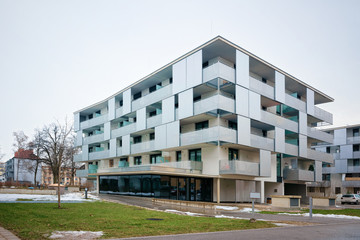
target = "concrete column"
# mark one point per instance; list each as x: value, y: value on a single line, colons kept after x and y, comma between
x: 262, y: 192
x: 97, y: 184
x: 218, y: 190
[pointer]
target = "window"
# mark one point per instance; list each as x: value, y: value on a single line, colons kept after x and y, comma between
x: 232, y: 125
x: 152, y: 89
x: 337, y: 190
x: 264, y: 133
x: 111, y: 163
x: 195, y: 155
x: 137, y: 139
x: 137, y: 160
x: 326, y: 177
x: 120, y: 142
x: 327, y: 149
x: 263, y: 80
x: 137, y: 95
x: 205, y: 64
x: 178, y: 156
x: 356, y: 162
x: 201, y: 125
x: 233, y: 154
x: 322, y: 189
x: 356, y: 148
x: 198, y: 98
x: 121, y: 103
x: 97, y: 113
x: 170, y: 80
x: 154, y: 158
x: 152, y: 136
x: 356, y: 132
x: 153, y: 113
x: 311, y: 189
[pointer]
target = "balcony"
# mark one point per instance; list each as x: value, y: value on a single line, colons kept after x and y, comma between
x: 213, y: 103
x: 218, y: 70
x: 99, y: 155
x: 320, y: 135
x: 118, y: 112
x: 78, y: 157
x: 353, y: 140
x: 239, y: 168
x: 85, y: 173
x: 154, y: 121
x: 213, y: 134
x: 122, y: 131
x: 153, y: 97
x: 319, y: 184
x: 278, y: 121
x: 319, y: 156
x: 353, y: 169
x: 351, y: 182
x: 323, y: 115
x: 142, y: 147
x: 170, y: 167
x: 261, y: 88
x: 262, y: 142
x: 94, y: 121
x: 291, y: 149
x: 356, y: 154
x: 299, y: 175
x: 119, y: 151
x: 294, y: 102
x: 94, y: 139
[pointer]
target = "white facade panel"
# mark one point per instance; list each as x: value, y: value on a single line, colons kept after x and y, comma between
x: 125, y: 149
x: 194, y: 70
x: 186, y: 104
x: 254, y: 105
x: 265, y: 163
x: 310, y: 101
x: 76, y: 122
x: 141, y: 119
x: 242, y: 69
x: 111, y: 105
x: 279, y: 140
x: 340, y: 136
x: 244, y: 130
x: 79, y: 138
x: 242, y: 101
x: 173, y: 134
x: 112, y: 152
x: 127, y: 101
x: 168, y: 110
x: 302, y: 123
x: 107, y: 131
x: 303, y: 146
x: 318, y: 171
x: 279, y: 87
x: 179, y: 76
x: 160, y: 137
x: 346, y: 151
x: 85, y: 152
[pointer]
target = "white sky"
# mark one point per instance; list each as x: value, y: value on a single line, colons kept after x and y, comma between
x: 57, y: 57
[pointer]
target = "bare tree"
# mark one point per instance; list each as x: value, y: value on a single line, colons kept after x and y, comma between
x: 1, y: 154
x: 35, y: 145
x: 20, y: 143
x: 70, y: 164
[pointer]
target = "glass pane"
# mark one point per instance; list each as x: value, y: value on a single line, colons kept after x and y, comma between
x: 173, y: 188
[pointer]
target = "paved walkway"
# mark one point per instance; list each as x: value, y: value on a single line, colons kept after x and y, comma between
x: 7, y: 235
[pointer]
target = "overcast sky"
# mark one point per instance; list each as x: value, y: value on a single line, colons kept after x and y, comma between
x: 57, y: 57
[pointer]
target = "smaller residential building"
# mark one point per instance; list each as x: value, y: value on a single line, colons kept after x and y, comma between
x: 48, y: 177
x: 2, y: 172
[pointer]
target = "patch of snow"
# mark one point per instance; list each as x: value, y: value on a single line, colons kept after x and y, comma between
x: 248, y: 210
x: 34, y: 197
x: 231, y: 217
x: 75, y: 235
x: 322, y: 215
x: 226, y: 208
x: 282, y: 224
x: 180, y: 212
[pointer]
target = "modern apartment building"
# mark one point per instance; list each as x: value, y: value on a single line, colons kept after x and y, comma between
x: 213, y: 125
x: 343, y: 176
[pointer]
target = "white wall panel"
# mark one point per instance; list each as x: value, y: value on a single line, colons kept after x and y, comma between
x: 302, y: 123
x: 242, y: 69
x: 242, y: 101
x: 112, y: 147
x: 76, y: 122
x: 244, y: 130
x: 179, y: 76
x: 318, y: 171
x: 279, y: 140
x: 85, y: 152
x: 107, y: 131
x: 254, y: 105
x: 346, y: 151
x: 160, y: 137
x: 194, y: 69
x: 168, y: 110
x: 302, y: 146
x: 127, y: 101
x: 265, y: 163
x: 340, y: 136
x: 111, y: 104
x: 173, y: 134
x: 125, y: 149
x: 79, y: 138
x: 186, y: 104
x: 310, y: 101
x: 141, y: 119
x: 279, y: 87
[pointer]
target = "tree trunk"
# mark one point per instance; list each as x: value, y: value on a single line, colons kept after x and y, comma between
x: 59, y: 203
x: 35, y: 173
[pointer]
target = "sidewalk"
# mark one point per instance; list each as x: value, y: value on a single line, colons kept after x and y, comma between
x: 7, y: 235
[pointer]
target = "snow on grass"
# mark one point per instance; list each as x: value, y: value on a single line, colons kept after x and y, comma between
x: 322, y: 215
x: 231, y: 217
x: 75, y: 235
x: 185, y: 213
x: 283, y: 224
x: 248, y: 210
x: 226, y: 208
x: 34, y: 197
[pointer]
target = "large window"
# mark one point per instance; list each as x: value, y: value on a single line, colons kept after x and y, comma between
x: 356, y: 132
x: 137, y: 160
x: 137, y: 95
x: 178, y: 156
x: 356, y: 147
x: 232, y: 125
x: 233, y: 154
x: 201, y: 125
x: 155, y: 158
x: 137, y: 139
x: 195, y: 155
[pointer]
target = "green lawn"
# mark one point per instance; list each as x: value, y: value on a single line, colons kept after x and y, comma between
x: 349, y: 212
x: 38, y: 220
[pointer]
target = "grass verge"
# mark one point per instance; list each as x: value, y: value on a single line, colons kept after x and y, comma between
x: 38, y: 220
x: 349, y: 212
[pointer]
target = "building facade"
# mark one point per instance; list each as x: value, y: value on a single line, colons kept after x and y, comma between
x: 2, y: 172
x: 213, y: 125
x: 48, y: 177
x: 343, y: 176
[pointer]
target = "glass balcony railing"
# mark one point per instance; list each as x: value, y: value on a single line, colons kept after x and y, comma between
x: 239, y: 167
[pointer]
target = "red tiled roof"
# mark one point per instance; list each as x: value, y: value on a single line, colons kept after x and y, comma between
x: 25, y: 154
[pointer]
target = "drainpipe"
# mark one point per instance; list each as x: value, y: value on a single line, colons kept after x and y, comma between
x: 218, y: 190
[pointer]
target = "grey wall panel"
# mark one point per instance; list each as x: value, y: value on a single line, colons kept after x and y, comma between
x: 279, y: 140
x: 244, y: 130
x: 340, y: 136
x: 310, y: 101
x: 125, y: 149
x: 111, y: 105
x: 254, y: 105
x: 302, y: 123
x: 107, y: 131
x: 76, y: 122
x: 279, y: 87
x: 341, y: 165
x: 173, y: 134
x: 265, y: 163
x: 318, y: 171
x: 194, y: 69
x: 346, y: 151
x: 186, y: 104
x: 160, y: 137
x: 85, y: 152
x: 242, y: 101
x: 168, y: 110
x: 79, y: 138
x: 242, y: 69
x: 112, y: 147
x: 127, y: 101
x: 302, y: 146
x: 179, y: 76
x: 141, y: 119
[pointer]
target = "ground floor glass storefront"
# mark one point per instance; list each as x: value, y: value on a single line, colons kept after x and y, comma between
x: 159, y: 186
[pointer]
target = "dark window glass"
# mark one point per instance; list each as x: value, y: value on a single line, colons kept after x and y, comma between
x: 201, y: 125
x: 153, y: 113
x: 137, y: 95
x: 137, y: 160
x: 278, y: 165
x: 263, y: 80
x: 152, y: 89
x: 135, y: 185
x: 146, y: 189
x: 121, y: 103
x: 195, y: 155
x: 171, y: 80
x: 154, y: 158
x: 124, y: 185
x: 173, y: 188
x: 182, y: 189
x: 198, y: 98
x: 337, y: 190
x: 152, y: 136
x: 356, y: 148
x: 178, y: 156
x: 232, y: 125
x: 137, y: 139
x: 356, y: 162
x: 205, y: 64
x: 328, y: 149
x: 356, y: 132
x: 233, y: 154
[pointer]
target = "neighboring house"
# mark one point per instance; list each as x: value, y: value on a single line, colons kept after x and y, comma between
x: 48, y: 177
x: 21, y: 168
x: 2, y: 171
x: 213, y: 125
x: 343, y: 176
